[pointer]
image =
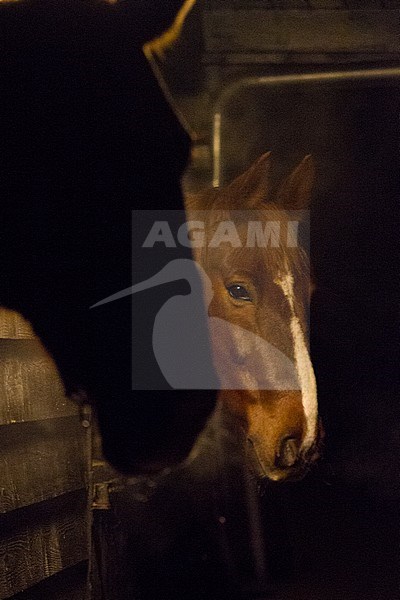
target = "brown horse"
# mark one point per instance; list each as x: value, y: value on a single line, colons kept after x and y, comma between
x: 258, y: 313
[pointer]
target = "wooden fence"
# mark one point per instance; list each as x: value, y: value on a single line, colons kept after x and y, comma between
x: 44, y: 474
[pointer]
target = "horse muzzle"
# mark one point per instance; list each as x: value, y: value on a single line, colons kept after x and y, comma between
x: 289, y: 462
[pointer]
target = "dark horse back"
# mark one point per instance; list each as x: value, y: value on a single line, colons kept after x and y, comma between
x: 86, y: 137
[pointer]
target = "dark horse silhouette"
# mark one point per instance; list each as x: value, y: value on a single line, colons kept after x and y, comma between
x: 86, y: 136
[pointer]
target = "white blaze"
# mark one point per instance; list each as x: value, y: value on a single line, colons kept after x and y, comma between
x: 303, y: 364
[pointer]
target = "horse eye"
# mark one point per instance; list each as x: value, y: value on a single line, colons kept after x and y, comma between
x: 239, y: 292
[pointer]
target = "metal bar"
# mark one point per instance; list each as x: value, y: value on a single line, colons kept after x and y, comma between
x: 361, y: 76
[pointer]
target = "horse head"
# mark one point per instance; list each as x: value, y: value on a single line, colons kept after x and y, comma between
x: 258, y: 314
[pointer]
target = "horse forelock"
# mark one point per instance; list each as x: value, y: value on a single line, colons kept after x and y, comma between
x: 272, y: 259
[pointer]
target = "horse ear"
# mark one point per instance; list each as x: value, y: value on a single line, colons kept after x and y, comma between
x: 295, y: 192
x: 251, y: 187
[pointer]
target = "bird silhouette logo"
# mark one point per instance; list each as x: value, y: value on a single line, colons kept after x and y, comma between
x: 181, y: 342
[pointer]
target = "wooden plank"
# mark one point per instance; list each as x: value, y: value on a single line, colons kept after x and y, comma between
x: 110, y: 568
x: 41, y: 540
x: 363, y: 4
x: 267, y: 4
x: 14, y: 326
x: 41, y: 460
x: 328, y: 4
x: 306, y: 5
x: 321, y: 31
x: 69, y: 584
x: 30, y: 386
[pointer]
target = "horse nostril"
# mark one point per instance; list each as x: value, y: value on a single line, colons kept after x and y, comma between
x: 288, y: 453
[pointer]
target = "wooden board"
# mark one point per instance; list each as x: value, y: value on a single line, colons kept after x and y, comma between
x: 41, y: 540
x: 44, y: 466
x: 305, y: 5
x: 14, y: 326
x: 110, y: 573
x: 292, y: 31
x: 30, y: 386
x: 41, y: 460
